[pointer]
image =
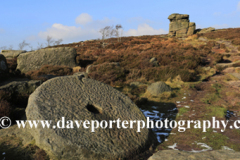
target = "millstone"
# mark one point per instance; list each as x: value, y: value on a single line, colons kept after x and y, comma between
x: 79, y: 98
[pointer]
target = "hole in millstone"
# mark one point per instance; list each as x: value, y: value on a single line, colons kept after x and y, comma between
x: 94, y: 109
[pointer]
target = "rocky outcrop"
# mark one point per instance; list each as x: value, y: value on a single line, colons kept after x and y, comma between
x: 12, y: 53
x: 3, y: 64
x: 62, y: 56
x: 16, y: 88
x: 157, y: 88
x: 206, y: 30
x: 78, y: 98
x: 3, y: 67
x: 180, y: 25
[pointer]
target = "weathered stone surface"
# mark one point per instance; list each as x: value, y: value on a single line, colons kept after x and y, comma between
x: 177, y: 16
x: 90, y: 67
x: 154, y: 61
x: 180, y: 26
x: 182, y: 155
x: 79, y: 98
x: 16, y: 88
x: 12, y: 53
x: 3, y: 67
x: 206, y: 30
x: 155, y: 89
x: 62, y: 56
x: 3, y: 64
x: 191, y: 29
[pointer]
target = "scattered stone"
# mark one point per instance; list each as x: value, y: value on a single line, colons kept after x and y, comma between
x: 202, y: 39
x: 79, y: 98
x: 34, y: 60
x: 12, y: 53
x: 180, y: 26
x: 154, y: 61
x: 76, y: 69
x: 135, y: 84
x: 157, y: 88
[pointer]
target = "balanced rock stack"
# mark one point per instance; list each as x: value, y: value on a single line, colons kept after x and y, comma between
x: 180, y: 25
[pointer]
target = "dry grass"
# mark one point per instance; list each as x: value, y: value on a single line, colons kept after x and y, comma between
x: 6, y: 108
x: 49, y: 70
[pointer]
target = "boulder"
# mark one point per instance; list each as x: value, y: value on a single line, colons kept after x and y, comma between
x: 3, y: 67
x: 34, y: 60
x: 180, y: 26
x: 12, y: 53
x: 206, y: 30
x: 191, y: 29
x: 157, y: 88
x: 3, y: 64
x: 79, y: 98
x: 16, y: 88
x: 154, y: 61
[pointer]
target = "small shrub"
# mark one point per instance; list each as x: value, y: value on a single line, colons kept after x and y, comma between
x: 52, y: 70
x: 181, y: 111
x: 227, y: 50
x: 40, y: 154
x: 236, y: 41
x: 5, y: 108
x: 211, y: 44
x: 222, y: 46
x: 237, y: 64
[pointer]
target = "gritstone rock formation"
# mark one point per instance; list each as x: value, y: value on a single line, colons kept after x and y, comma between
x: 180, y: 25
x: 12, y: 53
x: 34, y: 60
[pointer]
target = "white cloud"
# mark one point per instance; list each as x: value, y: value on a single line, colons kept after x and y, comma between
x: 69, y: 33
x: 2, y: 30
x: 238, y: 6
x: 83, y: 19
x: 220, y: 26
x: 144, y: 29
x: 90, y: 30
x: 31, y: 38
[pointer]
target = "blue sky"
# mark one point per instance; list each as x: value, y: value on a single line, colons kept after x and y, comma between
x: 74, y: 21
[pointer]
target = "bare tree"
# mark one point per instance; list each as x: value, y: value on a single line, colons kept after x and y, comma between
x: 22, y: 45
x: 118, y: 34
x: 3, y: 47
x: 40, y: 46
x: 31, y: 47
x: 49, y: 41
x: 10, y: 47
x: 106, y: 31
x: 58, y: 42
